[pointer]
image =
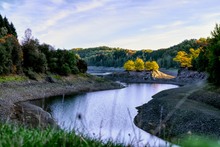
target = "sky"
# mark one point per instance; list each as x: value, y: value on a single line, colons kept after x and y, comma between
x: 129, y: 24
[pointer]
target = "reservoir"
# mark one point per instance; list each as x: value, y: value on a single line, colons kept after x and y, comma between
x: 106, y: 115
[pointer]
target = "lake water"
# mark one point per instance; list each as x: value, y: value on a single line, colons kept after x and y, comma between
x: 107, y: 114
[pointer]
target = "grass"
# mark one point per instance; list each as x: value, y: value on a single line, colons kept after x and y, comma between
x: 14, y: 135
x: 199, y: 141
x: 57, y: 77
x: 12, y: 78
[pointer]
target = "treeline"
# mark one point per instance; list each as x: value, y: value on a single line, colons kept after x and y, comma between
x: 31, y: 57
x: 116, y: 57
x: 209, y: 57
x: 206, y: 58
x: 6, y: 27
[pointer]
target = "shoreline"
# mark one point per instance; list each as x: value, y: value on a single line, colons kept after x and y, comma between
x: 14, y: 96
x: 184, y: 78
x: 176, y: 113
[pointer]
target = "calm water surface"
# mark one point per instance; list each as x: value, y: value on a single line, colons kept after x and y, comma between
x: 107, y: 114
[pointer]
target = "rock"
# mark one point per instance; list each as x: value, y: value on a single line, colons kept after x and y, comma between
x: 31, y: 115
x: 50, y: 79
x: 5, y: 110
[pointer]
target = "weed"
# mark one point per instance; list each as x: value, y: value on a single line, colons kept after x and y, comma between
x: 14, y: 135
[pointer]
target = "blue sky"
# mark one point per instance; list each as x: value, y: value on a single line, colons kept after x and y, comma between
x: 131, y: 24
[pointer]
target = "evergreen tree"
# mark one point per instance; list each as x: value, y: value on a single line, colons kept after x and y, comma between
x: 1, y: 21
x: 82, y: 66
x: 9, y: 26
x: 214, y: 56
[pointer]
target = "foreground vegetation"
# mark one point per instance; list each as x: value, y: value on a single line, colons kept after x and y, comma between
x: 13, y: 135
x: 199, y: 141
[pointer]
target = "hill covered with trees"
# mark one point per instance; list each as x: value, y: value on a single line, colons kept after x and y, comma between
x: 116, y: 57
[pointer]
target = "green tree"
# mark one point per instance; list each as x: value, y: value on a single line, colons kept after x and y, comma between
x: 201, y: 62
x: 33, y: 58
x: 3, y: 31
x: 129, y: 65
x: 214, y: 56
x: 16, y: 54
x: 82, y: 65
x: 66, y: 62
x: 10, y: 55
x: 139, y: 64
x: 5, y: 60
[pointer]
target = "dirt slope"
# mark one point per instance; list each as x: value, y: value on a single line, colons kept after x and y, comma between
x: 160, y: 75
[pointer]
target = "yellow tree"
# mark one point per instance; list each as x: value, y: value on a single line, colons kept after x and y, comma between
x: 148, y: 65
x: 194, y: 53
x: 155, y: 66
x: 139, y: 64
x: 184, y: 59
x: 151, y: 65
x: 129, y: 65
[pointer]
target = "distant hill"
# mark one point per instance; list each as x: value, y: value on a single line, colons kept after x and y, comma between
x: 116, y: 57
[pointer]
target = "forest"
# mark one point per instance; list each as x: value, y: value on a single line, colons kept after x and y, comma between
x: 30, y: 57
x: 116, y: 57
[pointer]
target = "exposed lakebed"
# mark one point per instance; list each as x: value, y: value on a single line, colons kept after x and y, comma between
x: 106, y: 114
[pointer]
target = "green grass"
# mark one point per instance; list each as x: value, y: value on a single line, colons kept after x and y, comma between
x: 57, y: 77
x: 17, y: 136
x: 199, y: 141
x: 12, y: 78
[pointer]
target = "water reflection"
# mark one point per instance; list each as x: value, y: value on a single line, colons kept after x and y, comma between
x: 107, y: 114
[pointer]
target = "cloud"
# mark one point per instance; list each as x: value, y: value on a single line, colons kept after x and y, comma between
x: 122, y: 23
x: 58, y: 1
x: 6, y: 6
x: 86, y: 6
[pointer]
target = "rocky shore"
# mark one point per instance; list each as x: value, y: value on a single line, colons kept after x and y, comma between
x: 13, y: 95
x: 191, y: 109
x: 183, y: 77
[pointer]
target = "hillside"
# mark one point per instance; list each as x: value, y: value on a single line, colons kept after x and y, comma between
x: 116, y: 57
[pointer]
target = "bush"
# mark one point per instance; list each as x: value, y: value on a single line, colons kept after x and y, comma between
x: 30, y: 74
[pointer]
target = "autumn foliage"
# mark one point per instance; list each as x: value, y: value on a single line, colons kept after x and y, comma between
x: 129, y: 65
x: 185, y: 59
x: 139, y: 65
x: 151, y: 65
